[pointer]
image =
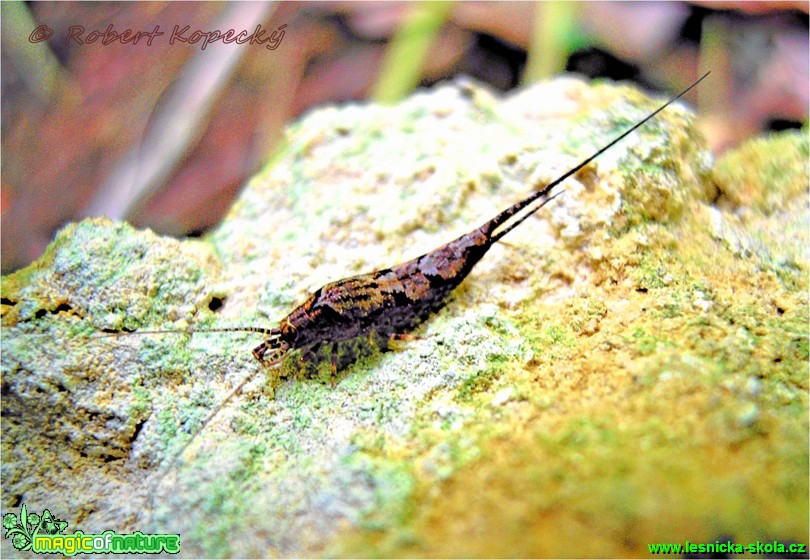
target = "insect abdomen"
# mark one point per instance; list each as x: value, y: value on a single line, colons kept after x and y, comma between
x: 390, y: 301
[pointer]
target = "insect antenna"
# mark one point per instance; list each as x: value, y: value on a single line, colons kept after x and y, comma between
x: 188, y: 331
x: 164, y: 471
x: 511, y: 211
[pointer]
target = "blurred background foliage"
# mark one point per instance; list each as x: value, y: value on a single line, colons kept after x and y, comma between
x: 165, y: 135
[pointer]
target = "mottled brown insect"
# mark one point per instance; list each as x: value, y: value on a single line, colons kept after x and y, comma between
x: 393, y: 301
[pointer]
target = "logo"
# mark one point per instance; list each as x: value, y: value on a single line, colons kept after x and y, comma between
x: 42, y: 534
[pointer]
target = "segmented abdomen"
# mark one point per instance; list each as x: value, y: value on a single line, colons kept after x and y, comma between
x: 389, y: 301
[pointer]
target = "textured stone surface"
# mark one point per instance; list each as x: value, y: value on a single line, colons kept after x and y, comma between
x: 622, y: 369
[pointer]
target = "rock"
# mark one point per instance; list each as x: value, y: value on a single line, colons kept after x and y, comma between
x: 644, y: 328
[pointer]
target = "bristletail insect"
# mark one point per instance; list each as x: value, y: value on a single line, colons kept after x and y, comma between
x: 393, y: 301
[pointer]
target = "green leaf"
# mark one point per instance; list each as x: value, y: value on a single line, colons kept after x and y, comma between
x: 402, y: 67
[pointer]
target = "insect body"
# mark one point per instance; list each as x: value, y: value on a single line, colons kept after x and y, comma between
x: 387, y: 302
x: 392, y: 301
x: 395, y: 300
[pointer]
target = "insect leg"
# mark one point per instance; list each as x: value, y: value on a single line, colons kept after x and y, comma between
x: 308, y: 353
x: 404, y: 336
x: 333, y: 378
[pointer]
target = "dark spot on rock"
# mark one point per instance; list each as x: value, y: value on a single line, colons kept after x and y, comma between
x: 467, y: 90
x: 216, y: 303
x: 138, y: 428
x: 62, y: 307
x: 6, y: 301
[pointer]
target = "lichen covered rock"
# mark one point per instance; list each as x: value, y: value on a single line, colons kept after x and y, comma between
x: 623, y: 369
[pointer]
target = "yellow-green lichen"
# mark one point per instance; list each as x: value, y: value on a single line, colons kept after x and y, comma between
x: 765, y: 174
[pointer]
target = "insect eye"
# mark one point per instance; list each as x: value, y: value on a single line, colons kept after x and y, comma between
x: 289, y: 332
